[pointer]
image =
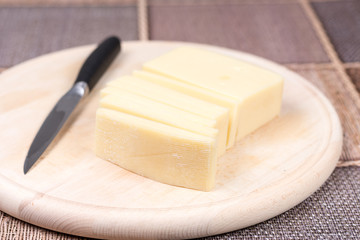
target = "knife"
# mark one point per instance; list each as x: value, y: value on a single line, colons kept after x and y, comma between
x: 90, y: 73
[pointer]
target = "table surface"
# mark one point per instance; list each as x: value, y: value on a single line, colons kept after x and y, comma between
x: 319, y: 39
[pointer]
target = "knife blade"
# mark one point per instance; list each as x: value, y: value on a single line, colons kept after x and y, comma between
x: 90, y: 73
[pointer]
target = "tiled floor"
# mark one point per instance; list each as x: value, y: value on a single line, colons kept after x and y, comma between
x: 41, y: 30
x: 256, y: 28
x: 335, y: 15
x: 326, y: 216
x: 319, y: 39
x: 354, y: 74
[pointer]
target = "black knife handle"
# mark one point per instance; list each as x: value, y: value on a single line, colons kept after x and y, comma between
x: 98, y: 61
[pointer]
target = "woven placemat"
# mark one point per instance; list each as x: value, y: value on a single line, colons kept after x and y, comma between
x: 330, y: 213
x: 306, y: 35
x: 34, y: 31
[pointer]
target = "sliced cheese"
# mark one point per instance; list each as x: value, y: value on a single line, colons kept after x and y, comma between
x: 157, y: 151
x: 175, y: 99
x: 257, y: 91
x: 126, y: 102
x: 200, y: 93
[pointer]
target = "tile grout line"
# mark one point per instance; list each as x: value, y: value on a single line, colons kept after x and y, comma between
x: 302, y: 66
x: 332, y: 54
x: 352, y: 65
x: 325, y: 41
x: 142, y: 20
x: 348, y: 163
x: 329, y: 49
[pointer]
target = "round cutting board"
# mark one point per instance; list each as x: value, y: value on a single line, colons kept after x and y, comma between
x: 71, y: 190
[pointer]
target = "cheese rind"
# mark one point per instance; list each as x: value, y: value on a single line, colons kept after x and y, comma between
x: 256, y: 90
x: 175, y: 99
x: 160, y: 152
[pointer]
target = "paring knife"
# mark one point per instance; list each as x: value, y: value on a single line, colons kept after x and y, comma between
x: 90, y: 73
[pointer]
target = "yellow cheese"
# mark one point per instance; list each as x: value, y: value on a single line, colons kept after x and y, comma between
x: 171, y: 121
x: 142, y: 107
x: 175, y: 99
x: 200, y: 93
x: 257, y: 91
x: 157, y: 151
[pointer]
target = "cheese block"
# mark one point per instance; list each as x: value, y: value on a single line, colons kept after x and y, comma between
x: 142, y: 107
x: 175, y: 99
x: 257, y: 91
x: 200, y: 93
x: 160, y: 152
x: 172, y: 120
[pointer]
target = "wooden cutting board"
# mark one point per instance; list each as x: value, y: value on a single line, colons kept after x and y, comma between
x: 71, y: 190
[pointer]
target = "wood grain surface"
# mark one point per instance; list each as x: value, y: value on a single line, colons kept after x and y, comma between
x: 71, y: 190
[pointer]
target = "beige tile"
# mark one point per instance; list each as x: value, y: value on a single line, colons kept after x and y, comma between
x: 341, y: 20
x: 354, y: 74
x: 66, y: 2
x: 215, y: 2
x: 280, y: 32
x: 27, y: 32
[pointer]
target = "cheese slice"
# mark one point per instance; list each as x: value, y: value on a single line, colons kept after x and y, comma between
x: 142, y: 107
x: 257, y: 91
x: 157, y: 151
x: 200, y: 93
x: 175, y: 99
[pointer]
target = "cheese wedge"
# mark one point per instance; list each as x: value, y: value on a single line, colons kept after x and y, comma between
x: 257, y: 91
x: 175, y: 99
x: 142, y: 107
x: 160, y: 152
x: 200, y: 93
